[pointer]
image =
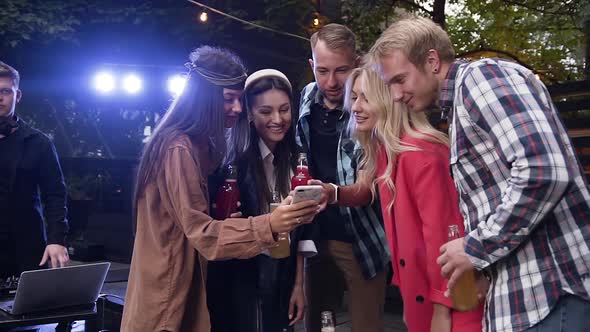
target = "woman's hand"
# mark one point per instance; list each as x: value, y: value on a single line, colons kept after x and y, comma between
x: 297, y: 302
x: 441, y: 319
x: 327, y: 196
x: 287, y: 216
x: 236, y: 214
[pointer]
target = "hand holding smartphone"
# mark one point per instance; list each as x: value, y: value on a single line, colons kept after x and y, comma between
x: 307, y: 192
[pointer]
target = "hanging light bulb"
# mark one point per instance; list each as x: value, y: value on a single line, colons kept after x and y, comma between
x: 203, y: 17
x: 316, y: 22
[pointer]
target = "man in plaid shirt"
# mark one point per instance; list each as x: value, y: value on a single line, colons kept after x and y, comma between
x: 522, y: 190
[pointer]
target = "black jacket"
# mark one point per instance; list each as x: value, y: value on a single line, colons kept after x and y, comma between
x: 32, y: 197
x: 252, y: 295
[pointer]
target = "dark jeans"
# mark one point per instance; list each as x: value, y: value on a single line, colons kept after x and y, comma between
x: 571, y: 314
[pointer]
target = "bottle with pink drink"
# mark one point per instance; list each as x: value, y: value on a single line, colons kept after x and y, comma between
x: 228, y: 195
x: 301, y: 172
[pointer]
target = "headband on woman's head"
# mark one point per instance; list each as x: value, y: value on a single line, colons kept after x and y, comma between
x: 264, y: 73
x: 216, y: 78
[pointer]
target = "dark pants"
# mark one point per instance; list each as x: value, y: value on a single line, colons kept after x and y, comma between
x: 571, y: 313
x: 327, y: 274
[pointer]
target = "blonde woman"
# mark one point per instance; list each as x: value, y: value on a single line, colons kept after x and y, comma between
x: 407, y: 160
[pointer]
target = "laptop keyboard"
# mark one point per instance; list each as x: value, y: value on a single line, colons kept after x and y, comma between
x: 8, y: 286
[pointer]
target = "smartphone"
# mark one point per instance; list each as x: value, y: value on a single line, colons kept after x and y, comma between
x: 308, y: 192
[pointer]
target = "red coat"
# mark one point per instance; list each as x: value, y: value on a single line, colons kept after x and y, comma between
x: 426, y: 203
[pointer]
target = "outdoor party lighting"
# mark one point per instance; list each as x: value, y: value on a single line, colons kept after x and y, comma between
x: 132, y: 83
x: 176, y: 84
x: 203, y: 17
x: 104, y: 82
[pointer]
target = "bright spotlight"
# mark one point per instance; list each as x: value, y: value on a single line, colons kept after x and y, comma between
x: 104, y: 82
x: 176, y: 84
x: 132, y: 84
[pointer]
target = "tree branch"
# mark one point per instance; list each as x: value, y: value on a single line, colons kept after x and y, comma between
x: 492, y: 50
x: 542, y: 11
x: 438, y: 14
x: 414, y: 5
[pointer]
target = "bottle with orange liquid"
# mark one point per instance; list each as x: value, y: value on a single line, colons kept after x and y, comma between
x: 301, y: 173
x: 282, y: 250
x: 464, y: 294
x: 228, y: 195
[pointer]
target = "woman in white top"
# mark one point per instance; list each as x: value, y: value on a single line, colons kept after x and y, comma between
x: 262, y: 293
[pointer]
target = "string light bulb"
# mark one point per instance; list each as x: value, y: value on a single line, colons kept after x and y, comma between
x: 203, y: 17
x: 316, y: 22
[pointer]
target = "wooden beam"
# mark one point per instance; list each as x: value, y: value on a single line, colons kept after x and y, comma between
x: 570, y: 89
x: 573, y: 105
x: 578, y: 133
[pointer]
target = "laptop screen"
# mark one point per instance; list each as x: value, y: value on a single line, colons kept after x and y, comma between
x: 48, y: 289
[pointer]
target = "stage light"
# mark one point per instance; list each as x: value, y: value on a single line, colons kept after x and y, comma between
x: 132, y: 84
x: 104, y: 82
x: 203, y: 17
x: 176, y: 84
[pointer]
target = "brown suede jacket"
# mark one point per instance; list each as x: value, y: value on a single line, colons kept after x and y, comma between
x: 174, y: 239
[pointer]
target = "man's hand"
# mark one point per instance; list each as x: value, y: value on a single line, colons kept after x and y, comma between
x: 57, y: 254
x: 297, y: 302
x: 453, y: 261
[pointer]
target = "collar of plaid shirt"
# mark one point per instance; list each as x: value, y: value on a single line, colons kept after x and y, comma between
x: 447, y: 91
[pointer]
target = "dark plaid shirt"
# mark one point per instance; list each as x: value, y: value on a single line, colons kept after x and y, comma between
x: 522, y: 191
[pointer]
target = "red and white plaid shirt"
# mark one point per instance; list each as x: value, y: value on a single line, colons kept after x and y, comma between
x: 522, y: 191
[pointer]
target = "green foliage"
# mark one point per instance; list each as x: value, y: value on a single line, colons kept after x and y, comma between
x: 545, y: 35
x: 369, y: 18
x: 44, y: 22
x: 40, y: 20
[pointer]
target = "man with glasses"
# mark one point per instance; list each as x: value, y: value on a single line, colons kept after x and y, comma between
x: 33, y: 223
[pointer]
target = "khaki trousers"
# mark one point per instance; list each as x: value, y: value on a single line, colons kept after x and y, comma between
x: 327, y: 274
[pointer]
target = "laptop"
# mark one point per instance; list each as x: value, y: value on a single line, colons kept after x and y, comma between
x: 41, y: 290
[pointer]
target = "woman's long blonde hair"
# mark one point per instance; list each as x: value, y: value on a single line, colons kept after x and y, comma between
x: 394, y: 120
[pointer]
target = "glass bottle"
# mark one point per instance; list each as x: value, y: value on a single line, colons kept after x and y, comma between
x: 464, y: 294
x: 282, y: 249
x: 328, y: 322
x: 228, y: 195
x: 301, y: 172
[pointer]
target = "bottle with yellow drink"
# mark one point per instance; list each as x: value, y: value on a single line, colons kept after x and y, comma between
x: 282, y: 250
x: 464, y: 294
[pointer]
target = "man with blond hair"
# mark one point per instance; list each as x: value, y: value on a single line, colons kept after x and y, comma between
x: 352, y: 248
x: 33, y: 223
x: 522, y: 191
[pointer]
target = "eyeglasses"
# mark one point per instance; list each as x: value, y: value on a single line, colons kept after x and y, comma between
x: 6, y: 92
